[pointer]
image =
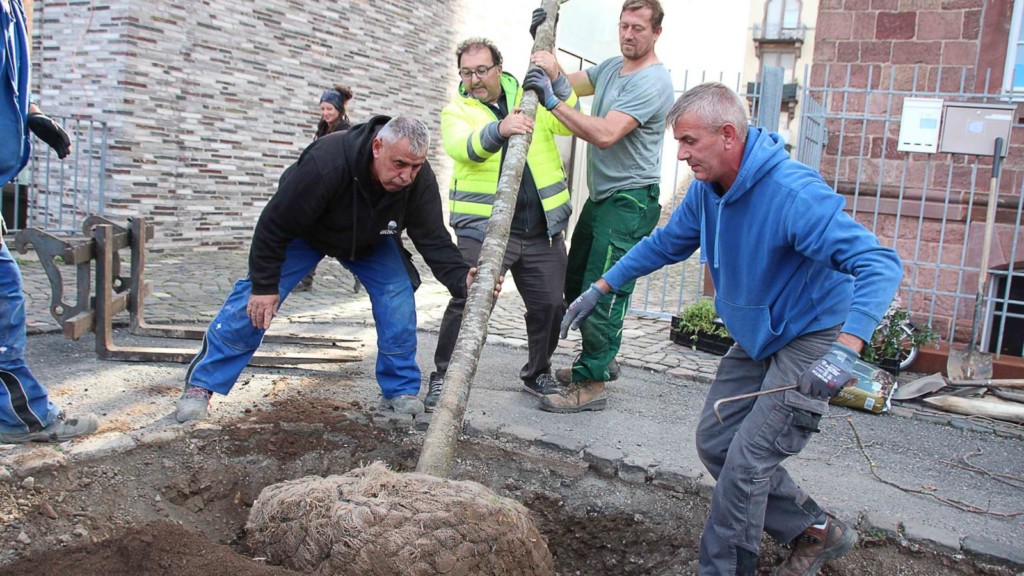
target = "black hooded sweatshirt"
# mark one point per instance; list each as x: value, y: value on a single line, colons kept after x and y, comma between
x: 329, y: 199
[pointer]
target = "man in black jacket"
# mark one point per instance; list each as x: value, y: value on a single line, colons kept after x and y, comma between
x: 349, y: 196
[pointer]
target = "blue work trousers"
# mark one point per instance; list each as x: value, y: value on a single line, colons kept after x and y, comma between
x: 24, y: 403
x: 231, y: 339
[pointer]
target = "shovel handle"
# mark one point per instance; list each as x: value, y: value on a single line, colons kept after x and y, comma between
x: 990, y: 382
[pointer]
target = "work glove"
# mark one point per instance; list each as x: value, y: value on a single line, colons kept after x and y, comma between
x: 580, y: 309
x: 538, y: 18
x: 537, y: 80
x: 561, y: 87
x: 50, y: 132
x: 829, y: 374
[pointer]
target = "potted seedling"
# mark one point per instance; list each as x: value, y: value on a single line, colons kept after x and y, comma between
x: 698, y: 326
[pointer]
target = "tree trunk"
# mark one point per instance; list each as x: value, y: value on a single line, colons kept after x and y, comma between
x: 446, y: 425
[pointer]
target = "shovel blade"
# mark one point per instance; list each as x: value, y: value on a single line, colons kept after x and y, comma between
x: 919, y: 387
x: 968, y: 364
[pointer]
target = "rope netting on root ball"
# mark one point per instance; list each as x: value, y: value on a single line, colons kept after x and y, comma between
x: 375, y: 522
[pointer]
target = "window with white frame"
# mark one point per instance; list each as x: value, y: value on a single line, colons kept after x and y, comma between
x: 1013, y: 75
x: 781, y: 18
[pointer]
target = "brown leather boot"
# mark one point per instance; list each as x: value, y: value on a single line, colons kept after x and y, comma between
x: 576, y: 397
x: 815, y: 546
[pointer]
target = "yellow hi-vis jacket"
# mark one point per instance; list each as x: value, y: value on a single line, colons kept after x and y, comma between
x: 478, y: 161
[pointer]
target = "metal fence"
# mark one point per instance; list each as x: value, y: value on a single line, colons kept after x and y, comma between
x: 929, y: 207
x: 56, y: 195
x: 665, y: 292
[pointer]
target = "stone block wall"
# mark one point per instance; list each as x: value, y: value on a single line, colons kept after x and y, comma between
x: 869, y: 55
x: 208, y: 102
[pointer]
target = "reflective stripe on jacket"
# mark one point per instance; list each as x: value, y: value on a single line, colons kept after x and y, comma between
x: 478, y: 160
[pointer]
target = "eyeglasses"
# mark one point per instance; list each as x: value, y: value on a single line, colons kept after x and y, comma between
x: 479, y: 71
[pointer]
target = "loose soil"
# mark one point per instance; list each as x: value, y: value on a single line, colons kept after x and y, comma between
x: 179, y: 507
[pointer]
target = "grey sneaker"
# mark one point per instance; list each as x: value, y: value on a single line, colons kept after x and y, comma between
x: 194, y: 404
x: 62, y: 429
x: 405, y: 404
x: 542, y: 386
x: 815, y: 546
x: 434, y: 387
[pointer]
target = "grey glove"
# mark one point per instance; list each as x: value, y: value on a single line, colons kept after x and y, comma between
x: 538, y: 18
x: 561, y: 87
x: 580, y: 309
x: 50, y: 132
x: 829, y: 374
x: 537, y: 80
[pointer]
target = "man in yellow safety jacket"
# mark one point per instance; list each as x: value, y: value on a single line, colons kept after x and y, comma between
x: 475, y: 128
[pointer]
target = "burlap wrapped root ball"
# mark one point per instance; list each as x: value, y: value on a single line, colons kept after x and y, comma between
x: 372, y: 521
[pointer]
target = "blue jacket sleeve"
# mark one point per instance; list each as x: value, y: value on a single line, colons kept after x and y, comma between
x: 833, y: 238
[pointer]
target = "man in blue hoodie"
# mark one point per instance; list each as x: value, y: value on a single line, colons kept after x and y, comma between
x: 26, y: 412
x: 801, y: 287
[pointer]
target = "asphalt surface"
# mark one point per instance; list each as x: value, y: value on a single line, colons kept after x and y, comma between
x: 650, y: 419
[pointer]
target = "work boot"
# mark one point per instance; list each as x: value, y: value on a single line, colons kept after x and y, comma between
x: 576, y: 397
x: 815, y: 546
x: 59, y: 430
x: 541, y: 386
x: 564, y: 375
x: 404, y: 404
x: 194, y: 404
x: 434, y: 387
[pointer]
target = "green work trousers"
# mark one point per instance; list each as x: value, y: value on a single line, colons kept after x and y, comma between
x: 605, y: 231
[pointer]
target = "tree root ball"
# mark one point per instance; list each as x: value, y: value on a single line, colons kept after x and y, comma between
x: 372, y: 521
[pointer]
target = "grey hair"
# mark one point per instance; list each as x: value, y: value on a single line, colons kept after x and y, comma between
x: 405, y: 127
x: 715, y: 105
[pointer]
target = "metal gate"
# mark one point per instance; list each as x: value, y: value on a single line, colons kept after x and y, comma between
x: 57, y: 195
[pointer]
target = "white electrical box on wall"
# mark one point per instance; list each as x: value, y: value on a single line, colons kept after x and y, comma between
x: 969, y: 128
x: 919, y: 125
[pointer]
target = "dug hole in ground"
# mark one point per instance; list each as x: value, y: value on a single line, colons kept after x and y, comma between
x: 172, y: 499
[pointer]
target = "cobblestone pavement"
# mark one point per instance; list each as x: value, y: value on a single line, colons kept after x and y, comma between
x: 186, y: 289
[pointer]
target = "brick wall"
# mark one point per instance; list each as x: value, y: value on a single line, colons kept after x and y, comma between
x: 883, y: 50
x: 209, y: 101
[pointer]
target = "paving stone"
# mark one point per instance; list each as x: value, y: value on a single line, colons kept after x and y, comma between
x: 147, y: 437
x: 881, y: 522
x: 603, y: 460
x: 518, y: 432
x: 423, y: 421
x: 560, y: 443
x: 35, y: 461
x: 682, y: 479
x: 992, y: 550
x: 930, y: 535
x: 636, y: 470
x: 100, y: 445
x: 481, y: 426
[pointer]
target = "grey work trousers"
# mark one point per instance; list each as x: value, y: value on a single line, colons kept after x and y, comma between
x: 754, y: 493
x: 538, y: 267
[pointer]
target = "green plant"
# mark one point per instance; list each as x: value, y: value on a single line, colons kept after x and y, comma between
x: 699, y: 318
x: 896, y: 336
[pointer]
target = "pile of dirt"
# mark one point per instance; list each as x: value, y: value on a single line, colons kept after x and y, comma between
x: 180, y: 506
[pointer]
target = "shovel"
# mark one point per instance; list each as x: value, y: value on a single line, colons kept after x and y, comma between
x: 928, y: 384
x: 970, y: 364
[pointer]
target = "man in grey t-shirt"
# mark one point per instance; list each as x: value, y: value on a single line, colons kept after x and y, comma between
x: 632, y: 94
